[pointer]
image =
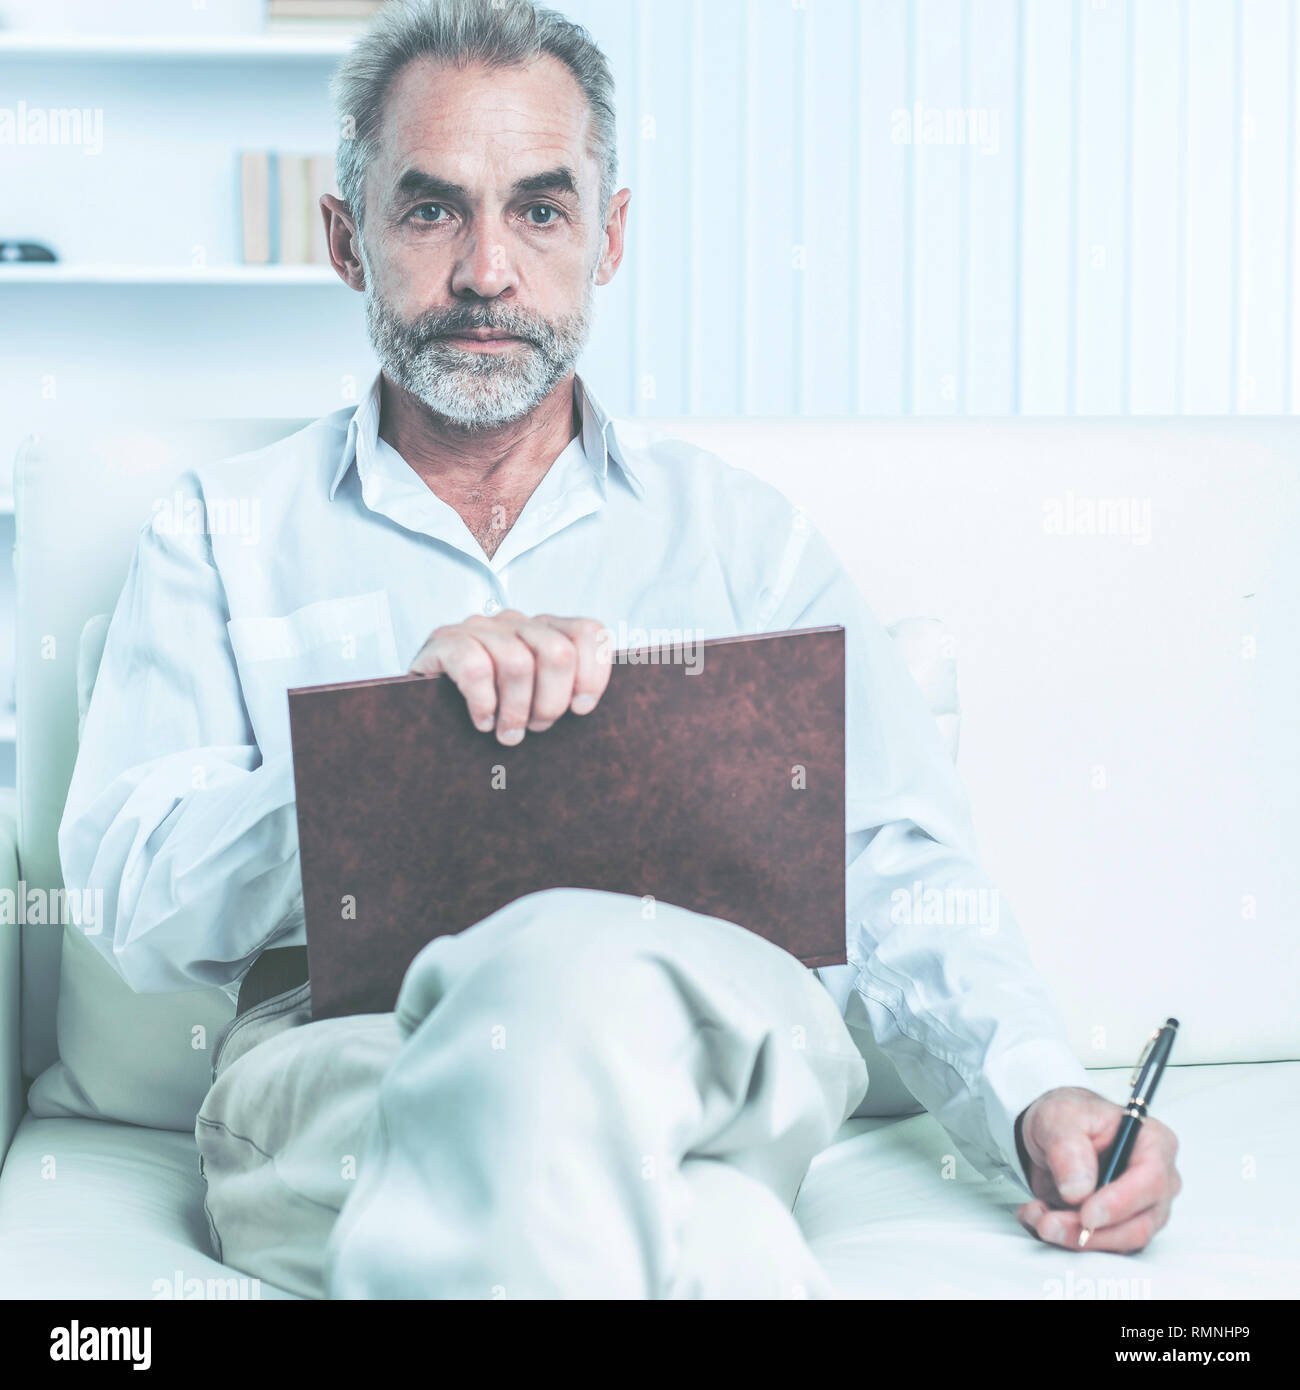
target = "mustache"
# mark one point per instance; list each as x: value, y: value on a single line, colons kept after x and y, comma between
x: 445, y: 323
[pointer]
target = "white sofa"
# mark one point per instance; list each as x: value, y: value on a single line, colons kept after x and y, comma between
x: 1130, y: 745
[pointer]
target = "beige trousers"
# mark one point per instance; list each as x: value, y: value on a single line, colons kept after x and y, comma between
x: 582, y: 1096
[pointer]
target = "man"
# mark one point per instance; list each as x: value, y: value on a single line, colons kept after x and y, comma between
x: 568, y: 1099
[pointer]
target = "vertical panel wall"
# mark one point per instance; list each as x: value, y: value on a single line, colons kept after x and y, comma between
x: 839, y: 206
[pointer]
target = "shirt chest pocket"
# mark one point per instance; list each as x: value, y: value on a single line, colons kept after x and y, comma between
x: 324, y: 643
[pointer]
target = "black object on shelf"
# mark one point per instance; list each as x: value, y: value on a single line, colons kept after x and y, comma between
x: 12, y: 252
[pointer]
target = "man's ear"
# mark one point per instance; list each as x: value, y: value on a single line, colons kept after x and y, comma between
x: 612, y: 237
x: 341, y: 235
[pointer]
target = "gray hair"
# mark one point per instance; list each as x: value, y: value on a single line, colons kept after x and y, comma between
x: 498, y: 33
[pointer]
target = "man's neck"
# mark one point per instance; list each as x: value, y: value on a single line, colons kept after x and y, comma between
x: 447, y: 456
x: 487, y: 475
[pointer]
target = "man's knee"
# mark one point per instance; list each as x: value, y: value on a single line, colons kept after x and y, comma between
x: 581, y: 956
x: 589, y: 947
x: 559, y: 967
x: 580, y: 959
x: 579, y: 912
x: 550, y: 929
x: 572, y: 934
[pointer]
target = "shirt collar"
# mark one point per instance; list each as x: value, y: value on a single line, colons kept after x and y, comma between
x: 600, y: 441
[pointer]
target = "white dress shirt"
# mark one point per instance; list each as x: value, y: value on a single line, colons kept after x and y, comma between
x: 326, y: 558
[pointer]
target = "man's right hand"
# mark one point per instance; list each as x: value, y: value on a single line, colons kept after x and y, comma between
x: 519, y: 673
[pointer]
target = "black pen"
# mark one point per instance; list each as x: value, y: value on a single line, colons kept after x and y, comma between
x: 1146, y: 1077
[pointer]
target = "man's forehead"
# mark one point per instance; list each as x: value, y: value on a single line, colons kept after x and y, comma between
x: 446, y: 119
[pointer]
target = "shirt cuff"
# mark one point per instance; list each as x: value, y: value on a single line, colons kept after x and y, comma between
x: 1016, y: 1079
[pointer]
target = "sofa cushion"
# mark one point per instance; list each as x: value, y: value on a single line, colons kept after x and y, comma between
x: 891, y: 1211
x: 143, y: 1059
x: 90, y: 1209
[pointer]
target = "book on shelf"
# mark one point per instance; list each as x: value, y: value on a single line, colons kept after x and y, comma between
x: 255, y: 204
x: 279, y: 207
x: 319, y: 12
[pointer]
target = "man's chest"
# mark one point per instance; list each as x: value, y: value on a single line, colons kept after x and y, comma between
x: 357, y: 602
x: 488, y: 515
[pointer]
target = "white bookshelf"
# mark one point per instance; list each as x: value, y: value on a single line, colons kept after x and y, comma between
x: 139, y: 80
x: 273, y: 47
x: 268, y: 47
x: 59, y: 273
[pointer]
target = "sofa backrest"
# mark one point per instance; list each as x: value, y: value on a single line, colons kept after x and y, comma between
x: 1124, y: 596
x: 81, y: 500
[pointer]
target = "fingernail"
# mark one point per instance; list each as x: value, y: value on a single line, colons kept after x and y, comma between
x: 1053, y: 1229
x: 538, y: 726
x: 511, y: 736
x: 484, y: 725
x: 583, y: 704
x: 1075, y: 1185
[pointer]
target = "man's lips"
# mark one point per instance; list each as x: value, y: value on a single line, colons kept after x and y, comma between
x: 482, y: 339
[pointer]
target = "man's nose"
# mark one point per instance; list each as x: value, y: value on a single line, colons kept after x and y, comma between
x: 483, y: 269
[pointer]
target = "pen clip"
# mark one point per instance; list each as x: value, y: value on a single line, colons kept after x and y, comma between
x: 1146, y: 1052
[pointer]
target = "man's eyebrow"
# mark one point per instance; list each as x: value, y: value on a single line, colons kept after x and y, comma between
x: 558, y: 180
x: 415, y: 183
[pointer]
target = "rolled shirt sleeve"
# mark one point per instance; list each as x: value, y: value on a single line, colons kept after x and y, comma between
x: 933, y: 950
x: 172, y: 813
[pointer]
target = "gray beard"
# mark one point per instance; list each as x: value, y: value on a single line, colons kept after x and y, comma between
x: 472, y: 390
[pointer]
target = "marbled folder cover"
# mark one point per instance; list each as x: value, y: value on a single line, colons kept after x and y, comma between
x: 720, y: 791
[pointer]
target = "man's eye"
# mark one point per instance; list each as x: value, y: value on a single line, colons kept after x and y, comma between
x: 430, y: 212
x: 546, y: 214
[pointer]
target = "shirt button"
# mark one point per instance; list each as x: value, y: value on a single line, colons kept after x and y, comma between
x: 491, y: 607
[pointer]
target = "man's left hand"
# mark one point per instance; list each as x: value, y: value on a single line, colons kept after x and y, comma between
x: 1064, y: 1133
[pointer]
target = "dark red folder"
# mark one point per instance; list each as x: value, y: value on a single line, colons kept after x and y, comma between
x: 720, y: 791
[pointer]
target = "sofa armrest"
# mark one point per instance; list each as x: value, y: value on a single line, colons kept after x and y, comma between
x: 11, y: 1071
